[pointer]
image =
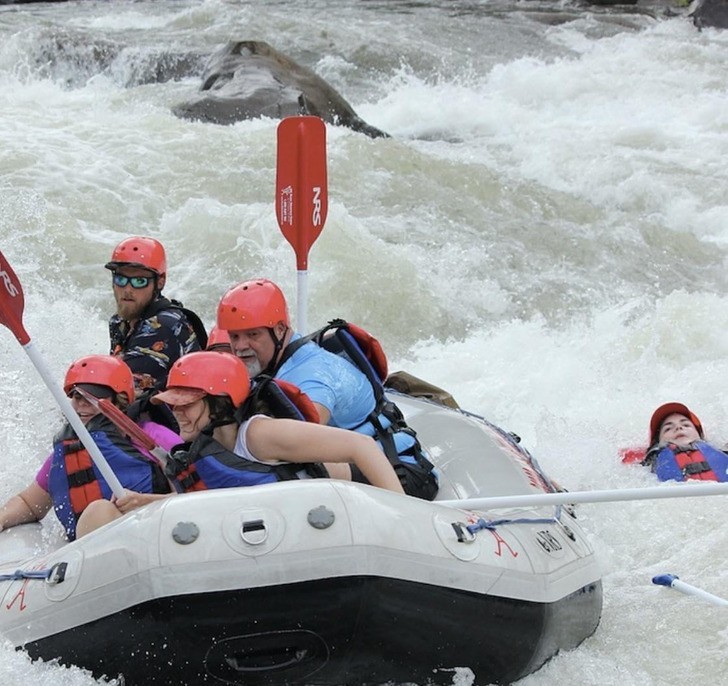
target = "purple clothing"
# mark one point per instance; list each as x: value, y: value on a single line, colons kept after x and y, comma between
x: 161, y: 435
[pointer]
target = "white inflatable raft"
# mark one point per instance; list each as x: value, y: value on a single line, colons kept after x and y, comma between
x: 317, y: 582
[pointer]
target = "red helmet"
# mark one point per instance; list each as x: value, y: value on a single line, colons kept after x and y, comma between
x: 101, y: 370
x: 139, y: 251
x: 207, y: 372
x: 218, y: 339
x: 664, y: 411
x: 252, y: 304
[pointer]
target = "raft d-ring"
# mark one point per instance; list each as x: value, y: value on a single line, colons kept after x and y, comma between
x: 253, y: 532
x: 463, y: 533
x: 57, y: 573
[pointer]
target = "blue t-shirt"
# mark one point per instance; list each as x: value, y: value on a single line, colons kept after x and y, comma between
x: 330, y: 381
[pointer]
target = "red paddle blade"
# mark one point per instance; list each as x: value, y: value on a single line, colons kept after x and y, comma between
x: 126, y: 424
x: 301, y: 191
x: 12, y: 302
x: 632, y: 455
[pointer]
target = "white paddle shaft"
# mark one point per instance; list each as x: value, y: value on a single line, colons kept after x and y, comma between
x: 672, y: 581
x: 74, y: 420
x: 302, y: 302
x: 683, y: 490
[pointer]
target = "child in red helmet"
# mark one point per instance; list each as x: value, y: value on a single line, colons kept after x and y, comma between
x: 678, y: 450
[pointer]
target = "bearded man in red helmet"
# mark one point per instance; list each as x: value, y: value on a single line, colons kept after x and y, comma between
x: 255, y: 315
x: 149, y: 332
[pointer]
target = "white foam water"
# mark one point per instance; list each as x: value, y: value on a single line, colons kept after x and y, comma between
x: 544, y: 235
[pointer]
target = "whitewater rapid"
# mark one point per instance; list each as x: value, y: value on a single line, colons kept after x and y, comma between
x: 544, y: 235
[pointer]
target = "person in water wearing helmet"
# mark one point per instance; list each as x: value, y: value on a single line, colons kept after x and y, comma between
x: 678, y: 449
x: 229, y: 444
x: 68, y: 481
x: 149, y: 332
x: 255, y: 315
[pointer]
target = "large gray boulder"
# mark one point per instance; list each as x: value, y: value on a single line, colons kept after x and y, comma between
x: 710, y: 13
x: 249, y: 79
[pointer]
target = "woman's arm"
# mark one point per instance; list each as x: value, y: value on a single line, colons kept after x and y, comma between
x: 295, y: 441
x: 30, y: 505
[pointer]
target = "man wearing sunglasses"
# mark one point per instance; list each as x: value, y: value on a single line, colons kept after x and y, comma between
x: 148, y: 331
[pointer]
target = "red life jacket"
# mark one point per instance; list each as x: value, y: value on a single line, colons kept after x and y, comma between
x: 693, y: 465
x: 372, y: 350
x: 299, y: 400
x: 83, y: 487
x: 277, y: 398
x: 74, y: 481
x: 699, y: 460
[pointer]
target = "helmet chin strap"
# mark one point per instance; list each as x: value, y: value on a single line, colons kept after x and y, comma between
x: 272, y: 366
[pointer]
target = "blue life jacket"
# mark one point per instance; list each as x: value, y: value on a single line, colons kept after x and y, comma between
x: 699, y: 460
x: 75, y: 481
x: 386, y: 422
x: 205, y: 463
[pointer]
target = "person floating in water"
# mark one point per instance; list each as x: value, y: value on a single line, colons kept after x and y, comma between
x: 678, y: 450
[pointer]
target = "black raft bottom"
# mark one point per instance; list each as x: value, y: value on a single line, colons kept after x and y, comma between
x: 355, y: 630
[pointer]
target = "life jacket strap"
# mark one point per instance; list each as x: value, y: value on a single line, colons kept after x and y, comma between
x: 696, y: 468
x: 72, y: 447
x: 81, y: 477
x: 190, y: 480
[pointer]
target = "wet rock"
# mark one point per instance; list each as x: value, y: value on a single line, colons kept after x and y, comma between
x: 710, y: 13
x: 249, y: 79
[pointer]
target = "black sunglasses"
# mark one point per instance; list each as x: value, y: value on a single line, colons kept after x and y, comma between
x: 136, y: 281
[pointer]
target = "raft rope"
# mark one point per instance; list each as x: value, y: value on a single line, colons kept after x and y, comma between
x: 515, y: 441
x: 483, y: 524
x: 492, y: 524
x: 53, y: 575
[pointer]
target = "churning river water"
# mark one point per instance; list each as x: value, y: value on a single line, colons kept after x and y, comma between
x: 544, y: 234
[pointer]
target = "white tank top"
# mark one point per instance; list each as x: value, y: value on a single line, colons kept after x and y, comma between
x: 241, y: 446
x: 241, y: 442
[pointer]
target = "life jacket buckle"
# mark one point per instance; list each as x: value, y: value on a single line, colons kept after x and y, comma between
x: 696, y: 468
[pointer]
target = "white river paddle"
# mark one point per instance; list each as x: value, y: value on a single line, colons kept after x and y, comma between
x: 12, y: 304
x: 681, y: 490
x: 673, y: 581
